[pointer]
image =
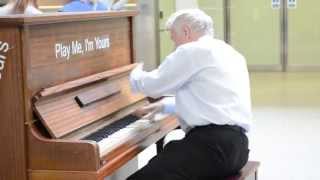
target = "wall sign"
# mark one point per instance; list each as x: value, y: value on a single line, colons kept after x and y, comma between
x: 275, y: 4
x: 292, y: 4
x: 4, y: 48
x: 64, y: 50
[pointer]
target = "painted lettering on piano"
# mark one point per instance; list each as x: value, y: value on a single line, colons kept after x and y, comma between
x: 4, y: 48
x: 80, y: 47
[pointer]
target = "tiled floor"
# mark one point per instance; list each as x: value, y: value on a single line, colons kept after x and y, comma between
x: 286, y: 141
x: 286, y: 132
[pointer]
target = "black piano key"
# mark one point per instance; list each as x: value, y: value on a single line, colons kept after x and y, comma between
x: 112, y: 128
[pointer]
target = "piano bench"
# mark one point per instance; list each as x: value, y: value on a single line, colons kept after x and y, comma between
x: 250, y: 170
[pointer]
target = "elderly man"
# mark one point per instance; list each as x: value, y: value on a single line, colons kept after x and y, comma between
x: 210, y: 84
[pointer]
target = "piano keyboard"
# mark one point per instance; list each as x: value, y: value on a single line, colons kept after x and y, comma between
x: 117, y: 133
x: 111, y: 129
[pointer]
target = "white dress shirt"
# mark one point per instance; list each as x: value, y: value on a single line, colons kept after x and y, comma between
x: 209, y: 81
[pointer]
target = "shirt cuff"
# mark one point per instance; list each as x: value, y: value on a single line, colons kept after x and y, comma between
x: 169, y: 105
x: 134, y: 78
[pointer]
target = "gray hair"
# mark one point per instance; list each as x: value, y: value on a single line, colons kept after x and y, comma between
x: 198, y: 21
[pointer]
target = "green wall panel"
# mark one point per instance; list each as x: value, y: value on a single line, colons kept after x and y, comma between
x: 214, y: 8
x: 166, y: 7
x: 166, y: 45
x: 304, y: 33
x: 255, y: 31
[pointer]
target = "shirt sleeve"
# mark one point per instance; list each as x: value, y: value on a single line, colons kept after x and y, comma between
x: 169, y: 105
x: 174, y: 72
x: 135, y: 75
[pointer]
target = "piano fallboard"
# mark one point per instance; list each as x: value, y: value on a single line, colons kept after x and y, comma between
x: 104, y: 102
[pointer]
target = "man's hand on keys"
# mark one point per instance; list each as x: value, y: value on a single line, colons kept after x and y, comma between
x: 149, y: 111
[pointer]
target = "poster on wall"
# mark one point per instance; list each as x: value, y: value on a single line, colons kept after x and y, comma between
x: 275, y: 4
x: 292, y: 4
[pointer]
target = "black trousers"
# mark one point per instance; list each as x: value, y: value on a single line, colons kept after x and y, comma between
x: 206, y: 153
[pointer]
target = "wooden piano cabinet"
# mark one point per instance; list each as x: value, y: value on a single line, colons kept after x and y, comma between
x: 12, y: 132
x: 50, y: 65
x: 59, y: 154
x: 66, y: 160
x: 61, y: 159
x: 61, y: 175
x: 33, y: 59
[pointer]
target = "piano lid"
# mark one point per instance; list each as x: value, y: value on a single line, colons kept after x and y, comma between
x: 73, y: 105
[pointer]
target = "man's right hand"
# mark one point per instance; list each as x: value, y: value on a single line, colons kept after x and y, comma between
x: 149, y: 111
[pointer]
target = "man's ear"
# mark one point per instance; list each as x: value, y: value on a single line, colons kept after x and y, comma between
x: 187, y: 31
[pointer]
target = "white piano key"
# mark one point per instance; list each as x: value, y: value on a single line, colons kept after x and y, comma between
x: 123, y: 133
x: 140, y: 123
x: 130, y: 130
x: 107, y: 143
x: 111, y: 141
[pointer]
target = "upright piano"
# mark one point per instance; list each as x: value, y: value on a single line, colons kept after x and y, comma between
x: 65, y: 100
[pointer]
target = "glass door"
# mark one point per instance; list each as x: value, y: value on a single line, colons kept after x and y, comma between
x: 215, y: 9
x: 303, y: 34
x: 166, y: 8
x: 255, y: 31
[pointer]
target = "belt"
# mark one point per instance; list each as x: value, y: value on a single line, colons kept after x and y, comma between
x: 236, y: 128
x: 233, y: 127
